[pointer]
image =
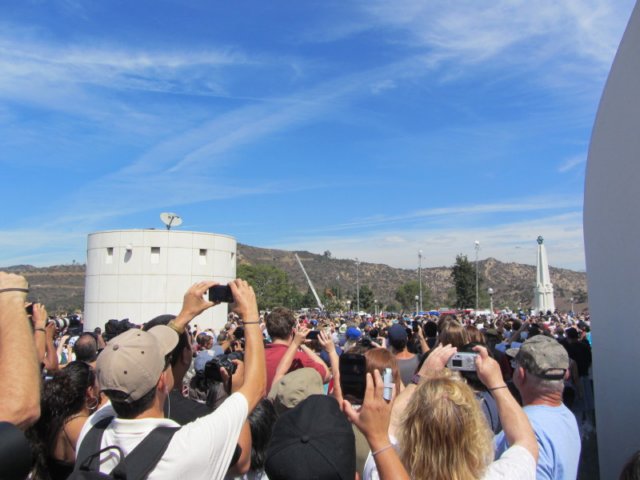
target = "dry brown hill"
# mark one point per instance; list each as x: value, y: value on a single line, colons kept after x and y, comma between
x: 61, y: 287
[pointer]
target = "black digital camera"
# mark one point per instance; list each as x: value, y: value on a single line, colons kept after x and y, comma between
x: 212, y: 367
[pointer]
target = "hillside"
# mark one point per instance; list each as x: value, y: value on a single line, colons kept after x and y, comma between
x: 62, y: 287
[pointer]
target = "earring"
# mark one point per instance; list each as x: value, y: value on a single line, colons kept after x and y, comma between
x: 93, y: 407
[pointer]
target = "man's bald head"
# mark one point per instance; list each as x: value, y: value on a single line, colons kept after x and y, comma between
x: 86, y: 348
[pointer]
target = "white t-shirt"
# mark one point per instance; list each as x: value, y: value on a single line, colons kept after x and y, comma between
x: 370, y: 471
x: 201, y: 449
x: 516, y: 463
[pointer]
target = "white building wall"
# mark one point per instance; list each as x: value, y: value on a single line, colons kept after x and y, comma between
x: 139, y: 274
x: 611, y: 231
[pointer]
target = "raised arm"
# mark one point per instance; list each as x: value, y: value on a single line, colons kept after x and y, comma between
x: 19, y: 369
x: 316, y: 358
x: 255, y: 370
x: 423, y: 343
x: 515, y: 423
x: 39, y: 319
x: 285, y: 362
x: 327, y: 344
x: 373, y: 421
x: 51, y: 354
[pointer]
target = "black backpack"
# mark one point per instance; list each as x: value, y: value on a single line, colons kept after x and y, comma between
x: 135, y: 466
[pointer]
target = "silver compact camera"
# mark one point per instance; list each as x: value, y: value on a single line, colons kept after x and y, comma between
x: 463, y: 361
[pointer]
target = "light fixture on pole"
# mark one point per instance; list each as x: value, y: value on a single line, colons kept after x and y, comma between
x: 358, y: 284
x: 477, y: 243
x: 490, y: 292
x: 375, y: 307
x: 338, y: 287
x: 417, y: 299
x: 420, y: 275
x: 572, y: 300
x: 349, y: 305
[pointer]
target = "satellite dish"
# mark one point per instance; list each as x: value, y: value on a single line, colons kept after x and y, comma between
x: 170, y: 219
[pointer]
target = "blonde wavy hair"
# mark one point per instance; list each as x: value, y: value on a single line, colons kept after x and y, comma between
x: 444, y: 435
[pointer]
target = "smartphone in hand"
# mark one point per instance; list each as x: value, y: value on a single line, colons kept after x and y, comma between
x: 353, y: 377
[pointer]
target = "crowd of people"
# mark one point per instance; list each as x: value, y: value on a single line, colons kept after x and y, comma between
x: 286, y: 395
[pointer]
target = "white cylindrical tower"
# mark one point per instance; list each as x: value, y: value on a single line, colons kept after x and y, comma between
x: 139, y: 274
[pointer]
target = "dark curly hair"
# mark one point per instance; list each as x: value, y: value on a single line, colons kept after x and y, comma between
x: 261, y: 422
x: 62, y: 396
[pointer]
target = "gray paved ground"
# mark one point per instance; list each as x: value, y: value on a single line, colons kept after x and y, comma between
x: 589, y: 468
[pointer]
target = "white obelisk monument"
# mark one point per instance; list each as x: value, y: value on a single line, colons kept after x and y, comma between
x: 543, y: 291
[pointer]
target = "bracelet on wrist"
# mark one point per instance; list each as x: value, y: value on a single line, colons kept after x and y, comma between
x: 251, y: 323
x: 373, y: 454
x: 39, y: 330
x: 496, y: 388
x: 14, y: 289
x: 178, y: 329
x: 416, y: 379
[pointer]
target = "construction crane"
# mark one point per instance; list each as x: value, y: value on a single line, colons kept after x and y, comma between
x: 313, y: 290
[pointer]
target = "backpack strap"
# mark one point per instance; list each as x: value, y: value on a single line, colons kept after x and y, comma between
x: 144, y: 458
x: 90, y: 445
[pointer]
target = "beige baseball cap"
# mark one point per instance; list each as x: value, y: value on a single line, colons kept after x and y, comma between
x: 132, y: 362
x: 294, y: 387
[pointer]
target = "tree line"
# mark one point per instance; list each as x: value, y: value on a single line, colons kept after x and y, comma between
x: 274, y: 288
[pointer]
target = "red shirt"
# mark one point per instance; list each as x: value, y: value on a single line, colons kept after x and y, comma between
x: 274, y: 353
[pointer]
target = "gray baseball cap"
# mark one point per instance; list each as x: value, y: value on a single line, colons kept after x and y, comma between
x: 542, y: 356
x: 132, y: 362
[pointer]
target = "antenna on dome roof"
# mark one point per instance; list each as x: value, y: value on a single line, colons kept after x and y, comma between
x: 171, y: 219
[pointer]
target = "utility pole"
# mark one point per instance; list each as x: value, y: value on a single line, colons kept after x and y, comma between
x: 420, y: 275
x: 358, y: 284
x: 477, y: 243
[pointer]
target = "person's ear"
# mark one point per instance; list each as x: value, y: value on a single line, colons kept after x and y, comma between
x: 162, y: 384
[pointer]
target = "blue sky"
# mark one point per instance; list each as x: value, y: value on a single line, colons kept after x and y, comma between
x: 368, y: 128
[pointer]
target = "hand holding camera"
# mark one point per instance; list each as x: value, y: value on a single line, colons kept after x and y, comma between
x: 245, y: 300
x: 300, y: 336
x: 38, y: 315
x: 488, y: 369
x: 194, y: 303
x: 437, y: 359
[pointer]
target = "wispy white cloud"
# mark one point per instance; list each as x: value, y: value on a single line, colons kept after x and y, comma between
x: 571, y: 163
x: 507, y: 241
x: 473, y: 31
x: 455, y: 213
x: 113, y: 66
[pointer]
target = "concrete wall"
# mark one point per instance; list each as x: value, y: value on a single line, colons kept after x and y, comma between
x: 139, y: 274
x: 612, y: 245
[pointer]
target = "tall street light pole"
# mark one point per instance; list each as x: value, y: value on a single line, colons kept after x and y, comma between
x: 358, y: 284
x: 571, y: 306
x: 417, y: 299
x: 477, y: 243
x: 490, y: 292
x: 420, y: 275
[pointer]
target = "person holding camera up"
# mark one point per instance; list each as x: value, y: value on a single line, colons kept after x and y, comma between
x: 281, y: 325
x: 134, y: 371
